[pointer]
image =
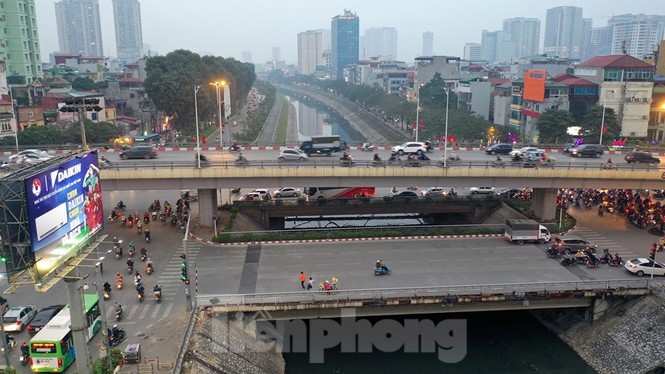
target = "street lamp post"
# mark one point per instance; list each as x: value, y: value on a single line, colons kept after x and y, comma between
x: 218, y: 85
x: 445, y: 142
x: 417, y: 111
x: 196, y: 114
x: 602, y: 126
x: 188, y: 286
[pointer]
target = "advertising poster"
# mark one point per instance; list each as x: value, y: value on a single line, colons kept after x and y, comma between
x: 227, y: 102
x: 534, y: 85
x: 64, y: 209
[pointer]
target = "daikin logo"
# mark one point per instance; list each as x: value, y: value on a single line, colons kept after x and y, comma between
x: 58, y: 176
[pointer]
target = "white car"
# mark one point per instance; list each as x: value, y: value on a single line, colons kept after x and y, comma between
x: 252, y: 196
x: 482, y: 190
x: 524, y: 150
x: 433, y: 191
x: 18, y: 317
x: 292, y: 155
x: 31, y: 154
x: 410, y: 148
x: 641, y: 266
x: 287, y: 192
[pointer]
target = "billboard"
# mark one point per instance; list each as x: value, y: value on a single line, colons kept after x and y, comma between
x: 534, y: 85
x: 64, y: 208
x: 227, y: 102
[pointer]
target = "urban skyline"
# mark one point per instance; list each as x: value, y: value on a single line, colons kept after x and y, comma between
x: 449, y: 36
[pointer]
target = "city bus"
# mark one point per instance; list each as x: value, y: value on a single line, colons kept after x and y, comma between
x: 52, y: 349
x: 314, y: 193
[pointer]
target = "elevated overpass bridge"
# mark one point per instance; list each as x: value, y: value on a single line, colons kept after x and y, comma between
x: 169, y: 175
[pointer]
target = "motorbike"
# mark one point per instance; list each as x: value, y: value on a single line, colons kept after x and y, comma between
x: 143, y: 257
x: 119, y: 313
x: 130, y: 269
x: 573, y: 260
x: 149, y: 270
x: 454, y: 157
x: 118, y: 254
x: 131, y: 251
x: 608, y: 167
x: 107, y: 294
x: 154, y: 215
x: 367, y: 147
x: 553, y: 252
x: 140, y: 296
x: 123, y: 220
x: 592, y: 264
x: 378, y: 163
x: 346, y: 162
x: 158, y: 296
x: 5, y: 166
x: 384, y: 270
x: 118, y: 337
x: 24, y: 359
x: 235, y: 191
x: 146, y: 219
x: 241, y: 161
x: 147, y: 236
x: 656, y: 231
x: 234, y: 147
x: 120, y: 206
x: 498, y: 164
x: 118, y: 284
x: 130, y: 223
x: 615, y: 263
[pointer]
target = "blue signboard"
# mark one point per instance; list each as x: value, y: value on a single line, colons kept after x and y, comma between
x: 64, y: 207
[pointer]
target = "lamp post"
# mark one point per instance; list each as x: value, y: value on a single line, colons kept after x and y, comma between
x: 218, y: 85
x: 445, y: 141
x: 188, y: 286
x: 417, y: 110
x: 196, y: 114
x: 102, y: 306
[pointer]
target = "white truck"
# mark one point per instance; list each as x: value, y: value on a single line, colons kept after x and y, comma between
x: 526, y: 230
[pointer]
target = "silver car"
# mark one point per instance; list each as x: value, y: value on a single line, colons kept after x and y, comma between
x: 18, y: 317
x: 30, y: 156
x: 292, y: 155
x: 287, y: 192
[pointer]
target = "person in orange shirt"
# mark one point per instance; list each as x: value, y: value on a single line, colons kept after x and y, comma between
x: 303, y: 279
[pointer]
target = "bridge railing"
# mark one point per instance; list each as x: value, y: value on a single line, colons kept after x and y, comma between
x: 285, y: 298
x: 335, y: 163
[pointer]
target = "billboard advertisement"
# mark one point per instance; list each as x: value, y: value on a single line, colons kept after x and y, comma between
x: 64, y: 208
x: 227, y: 102
x: 534, y: 85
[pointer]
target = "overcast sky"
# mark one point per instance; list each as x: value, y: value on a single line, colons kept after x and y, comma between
x: 229, y: 27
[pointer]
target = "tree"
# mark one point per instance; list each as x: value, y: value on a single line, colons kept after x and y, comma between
x: 170, y: 82
x: 553, y: 125
x: 83, y: 84
x: 591, y: 122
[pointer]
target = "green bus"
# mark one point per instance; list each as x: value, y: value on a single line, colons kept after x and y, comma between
x: 52, y: 349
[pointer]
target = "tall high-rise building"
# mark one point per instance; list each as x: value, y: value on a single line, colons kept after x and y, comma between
x: 345, y: 41
x: 637, y: 35
x: 381, y: 42
x: 496, y: 46
x: 586, y: 49
x: 325, y: 34
x: 310, y: 51
x: 472, y: 52
x: 19, y: 41
x: 601, y: 41
x: 525, y: 34
x: 428, y: 43
x: 563, y: 32
x: 276, y: 54
x: 128, y: 32
x: 79, y: 27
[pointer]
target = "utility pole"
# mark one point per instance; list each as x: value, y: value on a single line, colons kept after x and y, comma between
x: 3, y: 334
x: 188, y: 286
x: 78, y: 324
x: 81, y: 106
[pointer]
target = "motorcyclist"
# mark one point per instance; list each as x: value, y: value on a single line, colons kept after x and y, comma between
x: 120, y: 205
x: 157, y: 288
x: 130, y: 264
x: 376, y: 157
x: 616, y: 259
x: 146, y: 217
x: 118, y: 250
x: 149, y: 265
x: 118, y: 308
x: 499, y: 159
x: 137, y: 278
x: 118, y: 277
x: 147, y: 235
x: 25, y: 349
x: 140, y: 289
x: 107, y: 287
x: 144, y: 252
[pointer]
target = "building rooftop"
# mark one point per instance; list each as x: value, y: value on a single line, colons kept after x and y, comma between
x: 572, y: 80
x: 616, y: 62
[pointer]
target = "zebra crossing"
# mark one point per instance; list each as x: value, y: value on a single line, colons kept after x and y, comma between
x: 603, y: 242
x: 172, y: 286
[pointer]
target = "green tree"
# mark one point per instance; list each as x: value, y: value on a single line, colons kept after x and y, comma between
x: 101, y: 85
x: 591, y: 123
x: 83, y: 84
x: 553, y: 125
x: 170, y: 82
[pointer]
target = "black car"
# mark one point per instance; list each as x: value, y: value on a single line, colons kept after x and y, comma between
x: 641, y: 157
x: 139, y: 151
x: 500, y: 148
x: 591, y: 150
x: 43, y: 317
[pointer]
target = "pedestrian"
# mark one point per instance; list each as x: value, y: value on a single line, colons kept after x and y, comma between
x: 303, y: 278
x: 310, y: 284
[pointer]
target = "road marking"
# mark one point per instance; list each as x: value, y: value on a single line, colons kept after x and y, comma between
x: 167, y: 311
x: 156, y: 311
x: 144, y: 312
x: 132, y: 311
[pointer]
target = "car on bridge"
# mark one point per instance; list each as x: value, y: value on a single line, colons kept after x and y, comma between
x: 252, y: 196
x: 139, y: 151
x: 641, y: 266
x: 641, y: 157
x: 433, y: 191
x: 499, y: 149
x: 287, y: 192
x: 405, y: 195
x: 34, y: 153
x: 410, y: 148
x: 482, y: 190
x: 524, y: 151
x: 292, y: 155
x: 591, y: 150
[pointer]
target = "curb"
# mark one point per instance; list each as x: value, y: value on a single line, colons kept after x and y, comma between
x: 389, y: 238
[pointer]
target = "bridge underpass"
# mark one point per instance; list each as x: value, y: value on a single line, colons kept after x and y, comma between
x: 272, y: 215
x: 544, y: 181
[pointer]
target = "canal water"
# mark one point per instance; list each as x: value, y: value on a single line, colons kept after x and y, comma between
x: 497, y: 342
x: 315, y: 119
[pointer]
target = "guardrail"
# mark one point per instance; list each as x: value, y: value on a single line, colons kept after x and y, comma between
x: 371, y: 164
x: 284, y: 298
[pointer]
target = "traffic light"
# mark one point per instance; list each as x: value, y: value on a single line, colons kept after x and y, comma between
x: 183, y: 270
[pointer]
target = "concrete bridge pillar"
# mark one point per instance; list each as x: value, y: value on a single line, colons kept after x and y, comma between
x: 543, y: 202
x: 207, y: 206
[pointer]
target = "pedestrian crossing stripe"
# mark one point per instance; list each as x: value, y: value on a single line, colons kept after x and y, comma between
x: 143, y: 310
